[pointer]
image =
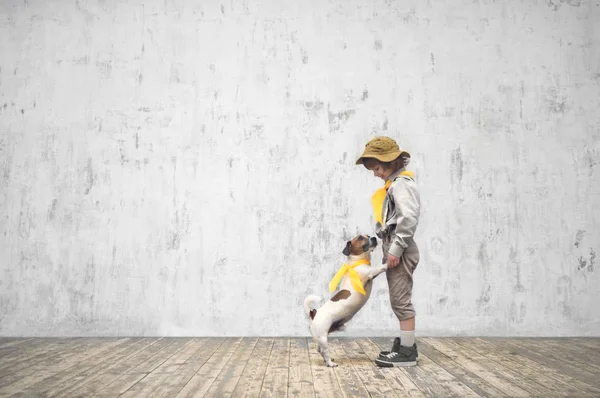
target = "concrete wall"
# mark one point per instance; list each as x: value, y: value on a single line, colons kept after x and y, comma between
x: 187, y: 167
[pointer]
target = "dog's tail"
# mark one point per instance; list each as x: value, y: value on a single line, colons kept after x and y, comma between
x: 308, y: 301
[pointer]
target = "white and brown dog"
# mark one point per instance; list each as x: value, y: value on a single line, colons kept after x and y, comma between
x: 342, y: 307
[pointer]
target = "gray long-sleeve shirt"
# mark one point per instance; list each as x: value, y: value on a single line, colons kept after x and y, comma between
x: 401, y: 207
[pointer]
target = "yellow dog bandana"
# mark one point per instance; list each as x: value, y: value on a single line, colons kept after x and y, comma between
x: 379, y: 196
x: 354, y: 277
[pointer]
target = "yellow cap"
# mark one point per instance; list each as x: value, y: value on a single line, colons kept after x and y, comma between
x: 383, y: 149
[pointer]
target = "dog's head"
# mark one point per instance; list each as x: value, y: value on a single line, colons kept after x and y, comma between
x: 361, y: 244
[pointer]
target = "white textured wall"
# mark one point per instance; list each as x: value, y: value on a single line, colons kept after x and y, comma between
x: 187, y: 167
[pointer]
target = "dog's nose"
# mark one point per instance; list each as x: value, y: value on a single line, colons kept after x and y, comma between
x: 373, y: 241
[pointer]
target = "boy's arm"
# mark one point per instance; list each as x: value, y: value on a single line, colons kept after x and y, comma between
x: 408, y: 207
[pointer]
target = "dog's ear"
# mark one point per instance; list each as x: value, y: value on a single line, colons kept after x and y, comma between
x: 346, y: 251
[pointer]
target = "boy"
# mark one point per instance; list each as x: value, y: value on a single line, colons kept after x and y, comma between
x: 397, y: 209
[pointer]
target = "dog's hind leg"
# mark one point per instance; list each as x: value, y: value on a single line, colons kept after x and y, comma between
x: 319, y: 351
x: 324, y: 351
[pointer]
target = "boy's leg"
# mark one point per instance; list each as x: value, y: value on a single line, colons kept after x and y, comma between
x: 407, y: 332
x: 407, y: 337
x: 400, y: 284
x: 408, y: 324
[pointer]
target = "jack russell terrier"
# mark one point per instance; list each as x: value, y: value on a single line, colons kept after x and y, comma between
x: 354, y: 292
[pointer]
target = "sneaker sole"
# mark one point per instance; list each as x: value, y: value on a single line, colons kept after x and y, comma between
x: 386, y: 364
x: 382, y: 355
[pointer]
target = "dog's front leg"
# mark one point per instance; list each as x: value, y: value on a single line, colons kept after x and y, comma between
x: 374, y: 273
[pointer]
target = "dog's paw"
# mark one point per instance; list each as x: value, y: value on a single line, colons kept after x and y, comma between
x: 332, y: 364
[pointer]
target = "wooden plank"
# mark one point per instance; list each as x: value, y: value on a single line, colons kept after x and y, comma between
x: 81, y: 362
x: 119, y: 386
x: 486, y: 351
x: 500, y: 379
x: 206, y: 375
x: 532, y: 386
x: 123, y: 374
x: 541, y: 355
x: 300, y: 380
x: 118, y: 380
x: 16, y: 344
x: 540, y: 351
x: 499, y: 350
x: 487, y: 366
x: 348, y: 379
x: 11, y: 344
x: 18, y: 358
x: 187, y: 351
x: 590, y: 349
x: 252, y: 376
x: 567, y: 349
x: 325, y: 383
x: 154, y: 361
x: 228, y: 378
x: 184, y: 373
x: 44, y: 363
x: 99, y: 367
x: 435, y: 381
x: 473, y: 381
x: 396, y: 377
x: 27, y: 356
x: 370, y: 374
x: 592, y: 343
x: 556, y: 385
x: 275, y: 383
x: 58, y: 363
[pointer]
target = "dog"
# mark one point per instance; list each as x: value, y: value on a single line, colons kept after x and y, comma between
x: 342, y: 307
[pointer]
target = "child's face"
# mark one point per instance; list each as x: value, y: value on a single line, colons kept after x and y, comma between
x: 380, y: 171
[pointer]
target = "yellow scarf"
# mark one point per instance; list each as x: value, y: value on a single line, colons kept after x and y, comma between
x: 354, y: 277
x: 379, y: 196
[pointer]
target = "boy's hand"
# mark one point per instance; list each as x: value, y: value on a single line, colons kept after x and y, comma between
x: 392, y: 261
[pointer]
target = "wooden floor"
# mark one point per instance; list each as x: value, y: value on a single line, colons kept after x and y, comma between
x: 291, y: 367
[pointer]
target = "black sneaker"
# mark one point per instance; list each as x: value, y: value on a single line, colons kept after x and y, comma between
x: 395, y: 346
x: 405, y: 356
